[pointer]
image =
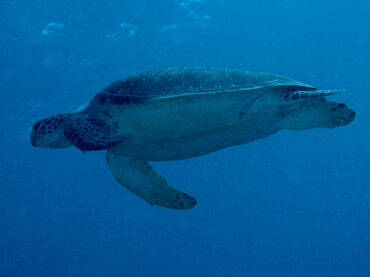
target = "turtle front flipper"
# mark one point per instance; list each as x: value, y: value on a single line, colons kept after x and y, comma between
x: 90, y: 134
x: 140, y: 178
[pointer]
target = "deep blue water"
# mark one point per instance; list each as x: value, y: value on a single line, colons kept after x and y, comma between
x: 293, y: 204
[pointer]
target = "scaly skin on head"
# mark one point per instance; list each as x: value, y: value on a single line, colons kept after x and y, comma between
x: 49, y: 132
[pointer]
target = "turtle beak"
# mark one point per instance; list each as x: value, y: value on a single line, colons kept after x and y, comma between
x: 33, y: 139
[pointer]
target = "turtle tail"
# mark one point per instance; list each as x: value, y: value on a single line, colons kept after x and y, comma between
x: 319, y: 114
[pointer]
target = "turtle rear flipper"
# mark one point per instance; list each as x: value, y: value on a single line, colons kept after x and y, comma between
x: 140, y: 178
x: 90, y: 134
x: 319, y: 114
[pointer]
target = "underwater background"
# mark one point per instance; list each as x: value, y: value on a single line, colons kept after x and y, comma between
x: 293, y: 204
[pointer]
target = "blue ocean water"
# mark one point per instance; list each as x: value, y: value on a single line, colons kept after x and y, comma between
x: 293, y: 204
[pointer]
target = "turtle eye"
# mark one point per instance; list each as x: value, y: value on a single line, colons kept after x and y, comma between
x: 37, y: 126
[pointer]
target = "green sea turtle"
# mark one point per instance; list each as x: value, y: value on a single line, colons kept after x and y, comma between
x: 179, y: 113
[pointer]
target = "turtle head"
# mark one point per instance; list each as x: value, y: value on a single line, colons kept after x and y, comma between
x: 49, y: 132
